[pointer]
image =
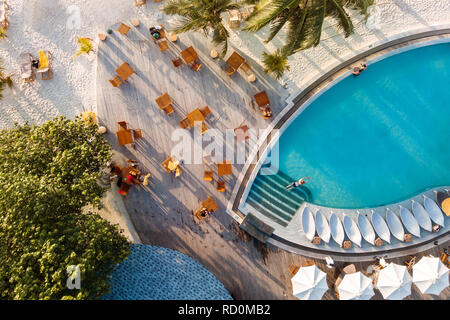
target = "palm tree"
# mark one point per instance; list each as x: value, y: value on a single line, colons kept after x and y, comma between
x: 275, y: 63
x: 304, y: 19
x: 204, y: 15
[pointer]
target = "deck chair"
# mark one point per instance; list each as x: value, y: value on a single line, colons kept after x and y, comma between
x: 177, y: 62
x: 293, y: 269
x: 263, y: 102
x: 234, y: 18
x: 208, y: 176
x: 185, y: 123
x: 45, y: 70
x: 221, y: 186
x: 4, y: 23
x: 163, y: 45
x: 137, y: 134
x: 26, y: 69
x: 169, y: 109
x: 123, y: 28
x: 410, y: 262
x: 445, y: 259
x: 205, y: 111
x: 115, y: 82
x: 196, y: 66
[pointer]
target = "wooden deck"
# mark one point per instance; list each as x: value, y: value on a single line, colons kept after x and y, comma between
x: 162, y: 212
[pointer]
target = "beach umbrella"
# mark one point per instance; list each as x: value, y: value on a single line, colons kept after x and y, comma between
x: 394, y: 282
x: 355, y: 286
x: 430, y: 275
x: 309, y: 283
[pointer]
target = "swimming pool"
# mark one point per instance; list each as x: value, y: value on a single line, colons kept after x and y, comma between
x: 371, y: 140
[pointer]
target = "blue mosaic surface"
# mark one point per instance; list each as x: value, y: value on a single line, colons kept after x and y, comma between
x: 156, y: 273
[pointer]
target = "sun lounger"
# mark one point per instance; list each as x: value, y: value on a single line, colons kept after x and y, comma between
x: 234, y: 18
x: 163, y: 45
x: 177, y: 62
x: 293, y: 269
x: 263, y: 102
x: 26, y: 69
x: 4, y: 23
x: 185, y: 123
x: 116, y: 82
x: 137, y: 134
x: 45, y: 70
x: 410, y: 262
x: 172, y: 166
x: 221, y: 186
x: 196, y: 66
x: 208, y: 176
x: 169, y: 109
x: 205, y: 111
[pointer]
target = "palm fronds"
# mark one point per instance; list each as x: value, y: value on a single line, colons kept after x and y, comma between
x: 275, y: 64
x: 202, y: 15
x: 303, y: 19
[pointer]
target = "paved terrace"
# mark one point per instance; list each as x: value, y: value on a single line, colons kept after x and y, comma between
x: 162, y: 213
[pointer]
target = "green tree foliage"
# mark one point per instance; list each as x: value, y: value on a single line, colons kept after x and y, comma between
x: 48, y: 173
x: 202, y: 15
x: 304, y: 19
x: 275, y: 63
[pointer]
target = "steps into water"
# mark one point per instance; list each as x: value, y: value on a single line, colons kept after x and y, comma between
x: 268, y: 196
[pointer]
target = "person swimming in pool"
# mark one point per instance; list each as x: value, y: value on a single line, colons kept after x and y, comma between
x: 300, y: 182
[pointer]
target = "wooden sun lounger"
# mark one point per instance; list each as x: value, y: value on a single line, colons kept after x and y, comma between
x: 116, y: 81
x: 263, y: 102
x: 26, y: 69
x: 45, y: 68
x: 125, y: 71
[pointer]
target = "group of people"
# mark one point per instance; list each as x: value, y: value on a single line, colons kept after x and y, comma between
x: 155, y: 32
x: 358, y: 69
x: 128, y: 176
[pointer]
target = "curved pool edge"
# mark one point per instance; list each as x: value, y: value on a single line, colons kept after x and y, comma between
x: 300, y: 100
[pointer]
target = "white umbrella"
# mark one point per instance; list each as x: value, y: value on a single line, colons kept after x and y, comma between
x: 394, y: 282
x: 430, y: 275
x: 309, y: 283
x: 355, y: 286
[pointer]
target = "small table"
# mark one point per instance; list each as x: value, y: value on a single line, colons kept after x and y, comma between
x: 214, y: 54
x: 251, y: 77
x: 235, y: 61
x: 189, y: 55
x: 163, y: 101
x: 224, y: 169
x: 135, y: 22
x: 125, y: 71
x: 173, y: 37
x: 124, y: 137
x: 123, y: 28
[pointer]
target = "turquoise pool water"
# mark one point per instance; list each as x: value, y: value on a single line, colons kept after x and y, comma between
x: 377, y: 138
